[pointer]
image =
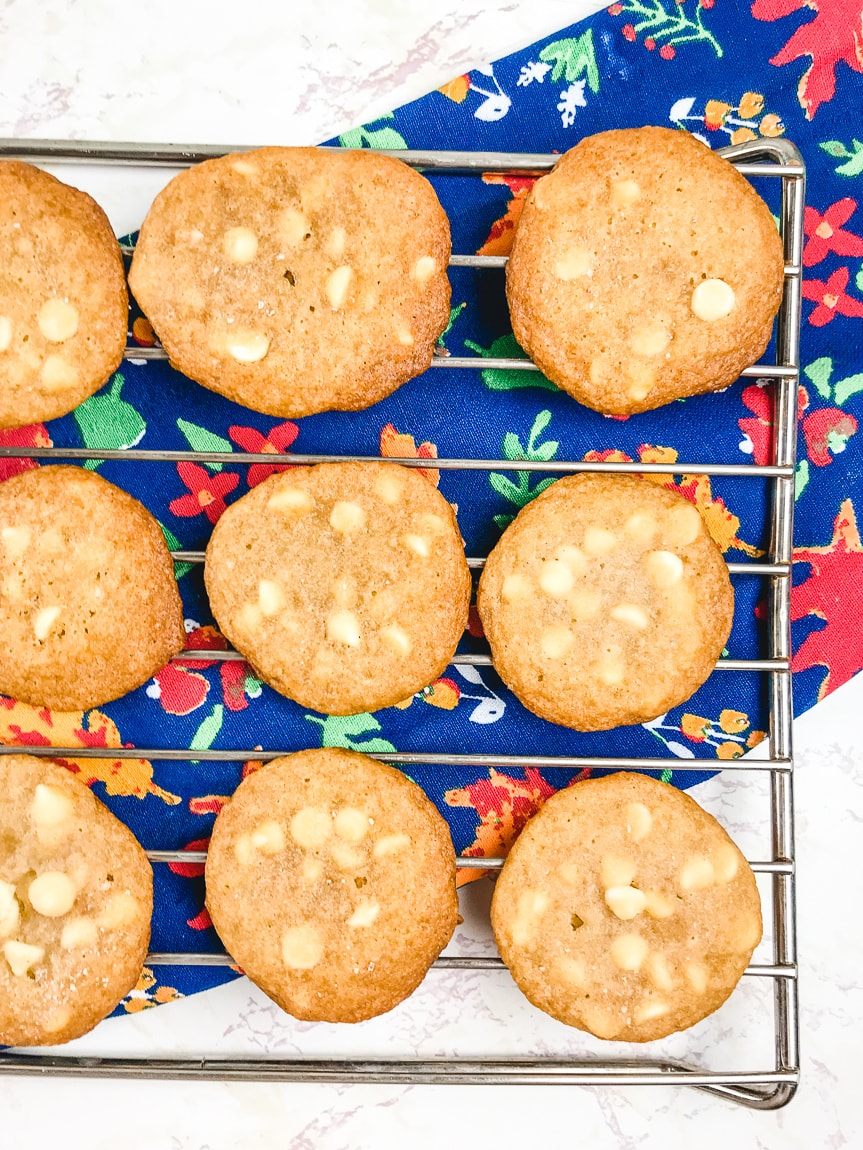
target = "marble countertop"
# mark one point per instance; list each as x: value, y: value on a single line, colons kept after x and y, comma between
x: 281, y: 73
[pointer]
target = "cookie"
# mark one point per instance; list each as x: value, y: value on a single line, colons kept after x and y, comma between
x: 331, y: 880
x: 644, y: 268
x: 605, y: 602
x: 76, y: 896
x: 624, y: 909
x: 345, y: 585
x: 63, y: 302
x: 89, y: 607
x: 296, y: 280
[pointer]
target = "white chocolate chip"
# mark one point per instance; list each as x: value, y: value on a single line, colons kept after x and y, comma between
x: 397, y: 639
x: 584, y: 604
x: 515, y: 587
x: 601, y: 1022
x: 271, y: 598
x: 5, y: 332
x: 696, y: 976
x: 599, y: 540
x: 725, y: 861
x: 570, y: 872
x: 632, y: 615
x: 346, y: 517
x: 21, y: 956
x: 640, y: 527
x: 44, y: 621
x: 120, y: 910
x: 657, y: 905
x: 574, y: 263
x: 311, y: 827
x: 351, y: 824
x: 390, y: 845
x: 696, y: 874
x: 658, y: 972
x: 650, y: 339
x: 268, y: 838
x: 639, y: 820
x: 405, y: 336
x: 652, y: 1008
x: 240, y: 245
x: 531, y: 906
x: 249, y: 617
x: 293, y: 226
x: 628, y: 951
x: 302, y: 948
x: 616, y: 871
x: 291, y: 499
x: 624, y: 193
x: 15, y: 540
x: 625, y: 902
x: 683, y: 525
x: 556, y: 640
x: 610, y: 672
x: 424, y: 269
x: 365, y: 914
x: 78, y: 933
x: 244, y: 852
x: 344, y: 591
x: 344, y: 627
x: 52, y: 894
x: 247, y: 346
x: 59, y: 1018
x: 555, y: 578
x: 57, y: 373
x: 417, y: 543
x: 336, y: 241
x: 571, y: 970
x: 664, y: 568
x: 312, y: 871
x: 641, y: 377
x: 10, y: 912
x: 388, y: 488
x: 337, y: 285
x: 712, y: 300
x: 345, y: 857
x: 748, y: 933
x: 435, y: 524
x: 58, y: 320
x: 573, y: 557
x: 244, y: 168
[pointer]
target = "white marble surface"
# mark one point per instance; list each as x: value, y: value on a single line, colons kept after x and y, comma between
x: 289, y: 73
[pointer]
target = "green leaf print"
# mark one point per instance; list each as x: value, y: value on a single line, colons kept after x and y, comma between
x: 454, y: 313
x: 180, y: 568
x: 199, y: 439
x: 572, y: 58
x: 341, y: 731
x: 206, y: 733
x: 801, y: 478
x: 672, y: 27
x: 520, y: 492
x: 368, y: 136
x: 845, y: 388
x: 853, y: 165
x: 818, y: 373
x: 108, y: 423
x: 504, y: 379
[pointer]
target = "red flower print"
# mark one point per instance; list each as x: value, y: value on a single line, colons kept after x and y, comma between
x: 834, y: 36
x: 276, y: 442
x: 831, y: 298
x: 827, y: 430
x: 179, y: 691
x: 36, y: 435
x: 826, y: 234
x: 759, y: 426
x: 207, y: 491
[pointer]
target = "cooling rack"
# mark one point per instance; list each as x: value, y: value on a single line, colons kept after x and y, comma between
x: 765, y: 1088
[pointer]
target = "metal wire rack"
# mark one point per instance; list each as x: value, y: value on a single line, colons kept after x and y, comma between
x: 768, y: 1088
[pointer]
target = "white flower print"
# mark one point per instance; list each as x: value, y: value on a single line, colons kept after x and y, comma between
x: 531, y: 71
x: 570, y: 99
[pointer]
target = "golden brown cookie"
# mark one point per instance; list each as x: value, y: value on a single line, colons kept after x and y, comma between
x: 605, y: 602
x: 296, y: 280
x: 624, y: 909
x: 345, y: 585
x: 63, y: 303
x: 89, y: 607
x: 76, y: 896
x: 331, y: 880
x: 644, y: 268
